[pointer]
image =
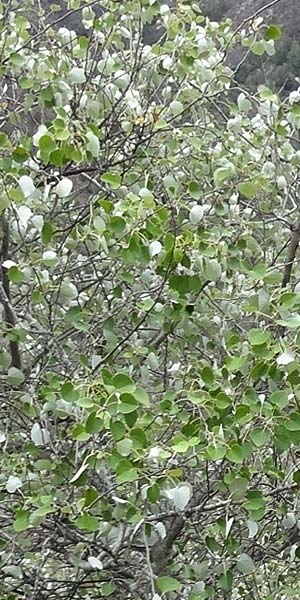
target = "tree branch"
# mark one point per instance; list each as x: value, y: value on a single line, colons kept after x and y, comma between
x: 292, y: 249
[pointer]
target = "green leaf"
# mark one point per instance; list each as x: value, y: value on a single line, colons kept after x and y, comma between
x: 121, y: 381
x: 87, y: 522
x: 260, y: 437
x: 257, y: 337
x: 21, y: 522
x: 68, y: 392
x: 15, y: 275
x: 195, y: 190
x: 124, y: 447
x: 141, y: 396
x: 93, y: 423
x: 90, y: 496
x: 235, y: 454
x: 293, y: 423
x: 221, y: 175
x: 273, y: 32
x: 248, y: 189
x: 128, y: 476
x: 128, y: 403
x: 112, y: 179
x: 290, y: 323
x: 258, y: 48
x: 168, y: 584
x: 47, y: 233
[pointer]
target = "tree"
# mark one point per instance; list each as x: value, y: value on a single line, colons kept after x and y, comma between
x: 150, y: 418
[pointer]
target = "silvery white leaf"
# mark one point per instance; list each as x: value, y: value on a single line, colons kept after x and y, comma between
x: 38, y: 221
x: 39, y: 436
x: 180, y: 495
x: 9, y: 263
x: 95, y: 563
x: 77, y: 75
x: 81, y: 470
x: 245, y: 564
x: 229, y: 523
x: 27, y: 186
x: 289, y: 521
x: 64, y: 188
x: 13, y: 570
x: 154, y: 248
x: 49, y: 258
x: 252, y: 527
x: 96, y: 360
x: 93, y: 145
x: 13, y: 483
x: 285, y: 358
x: 176, y: 107
x: 196, y: 214
x: 161, y: 530
x: 69, y: 290
x: 24, y: 214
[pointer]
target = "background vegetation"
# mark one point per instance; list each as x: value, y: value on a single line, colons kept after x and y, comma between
x: 149, y: 361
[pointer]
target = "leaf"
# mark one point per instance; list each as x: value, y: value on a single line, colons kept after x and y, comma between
x: 80, y: 471
x: 195, y: 190
x: 273, y: 32
x: 13, y: 483
x: 257, y: 337
x: 21, y: 522
x: 252, y: 528
x: 260, y: 437
x: 87, y: 522
x: 179, y: 495
x: 39, y: 436
x: 95, y: 563
x: 258, y: 48
x: 68, y: 290
x: 289, y: 521
x: 128, y: 403
x: 235, y: 454
x: 93, y: 423
x: 168, y: 584
x: 15, y: 376
x: 196, y: 214
x: 15, y: 275
x: 222, y: 174
x: 50, y: 258
x: 142, y: 396
x: 27, y: 186
x: 248, y: 189
x: 290, y: 323
x: 127, y: 476
x: 13, y: 571
x: 285, y: 358
x: 77, y: 75
x: 122, y: 380
x: 212, y: 270
x: 93, y: 145
x: 68, y: 392
x: 64, y: 188
x: 113, y: 179
x: 124, y: 447
x: 245, y: 564
x: 155, y: 248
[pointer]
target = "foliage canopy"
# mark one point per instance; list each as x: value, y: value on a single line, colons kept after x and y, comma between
x: 150, y: 378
